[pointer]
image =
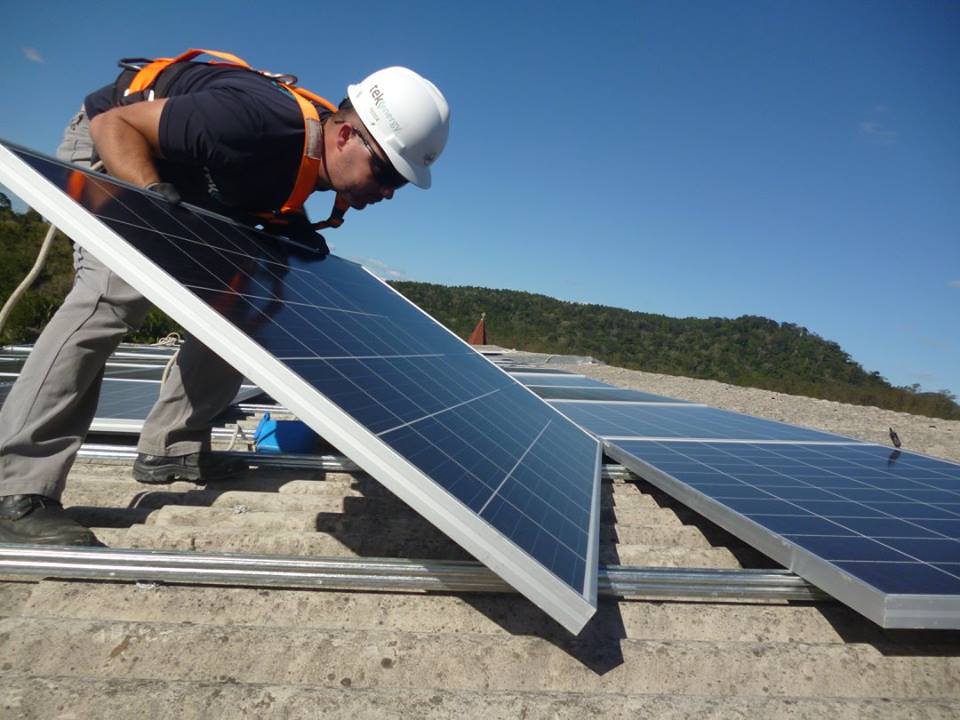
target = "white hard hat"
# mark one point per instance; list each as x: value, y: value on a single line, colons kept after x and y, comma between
x: 407, y: 115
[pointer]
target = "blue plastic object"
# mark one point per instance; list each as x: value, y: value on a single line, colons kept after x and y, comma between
x: 283, y: 436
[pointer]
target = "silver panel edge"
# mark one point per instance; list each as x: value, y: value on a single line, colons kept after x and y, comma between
x: 853, y: 592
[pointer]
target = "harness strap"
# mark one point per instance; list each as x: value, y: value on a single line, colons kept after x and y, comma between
x: 340, y: 207
x: 303, y: 92
x: 305, y: 98
x: 309, y: 160
x: 147, y: 75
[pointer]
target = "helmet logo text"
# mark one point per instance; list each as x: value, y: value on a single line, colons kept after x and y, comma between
x: 381, y: 104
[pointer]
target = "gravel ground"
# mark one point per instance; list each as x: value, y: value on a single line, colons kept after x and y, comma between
x: 931, y: 436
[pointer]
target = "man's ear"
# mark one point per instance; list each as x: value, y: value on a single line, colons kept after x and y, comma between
x: 344, y: 132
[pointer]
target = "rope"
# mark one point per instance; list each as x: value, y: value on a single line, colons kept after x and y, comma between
x: 168, y: 366
x: 170, y: 340
x: 38, y: 264
x: 237, y: 433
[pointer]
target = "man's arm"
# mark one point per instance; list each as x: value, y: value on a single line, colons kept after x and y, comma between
x: 128, y: 139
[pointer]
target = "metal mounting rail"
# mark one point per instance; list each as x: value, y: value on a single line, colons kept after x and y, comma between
x: 382, y: 574
x: 331, y: 463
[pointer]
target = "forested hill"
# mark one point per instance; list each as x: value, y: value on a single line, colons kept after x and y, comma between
x: 21, y: 235
x: 749, y: 350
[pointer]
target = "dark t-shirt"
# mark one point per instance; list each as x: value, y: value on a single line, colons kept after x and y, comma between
x: 231, y: 139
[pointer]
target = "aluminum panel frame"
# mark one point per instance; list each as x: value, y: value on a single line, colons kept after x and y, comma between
x: 941, y: 612
x: 395, y: 472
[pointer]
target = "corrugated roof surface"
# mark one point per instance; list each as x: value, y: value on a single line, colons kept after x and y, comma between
x: 97, y: 649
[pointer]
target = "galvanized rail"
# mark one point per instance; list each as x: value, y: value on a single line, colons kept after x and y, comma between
x: 330, y: 463
x: 382, y: 574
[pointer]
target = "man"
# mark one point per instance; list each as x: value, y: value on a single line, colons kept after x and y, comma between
x: 230, y: 139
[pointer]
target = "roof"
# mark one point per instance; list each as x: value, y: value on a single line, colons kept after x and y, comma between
x: 101, y: 649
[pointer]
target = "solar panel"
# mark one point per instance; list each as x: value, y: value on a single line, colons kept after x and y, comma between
x: 477, y: 454
x: 515, y: 369
x: 682, y: 420
x: 878, y: 529
x: 125, y: 352
x: 600, y: 394
x: 566, y: 380
x: 11, y: 367
x: 154, y: 373
x: 124, y: 404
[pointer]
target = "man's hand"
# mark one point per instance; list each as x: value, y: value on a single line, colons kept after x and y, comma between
x: 298, y: 228
x: 165, y: 190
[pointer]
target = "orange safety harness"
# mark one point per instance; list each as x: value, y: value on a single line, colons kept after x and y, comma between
x: 144, y: 83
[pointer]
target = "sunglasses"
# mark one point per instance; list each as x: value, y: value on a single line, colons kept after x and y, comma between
x: 384, y: 173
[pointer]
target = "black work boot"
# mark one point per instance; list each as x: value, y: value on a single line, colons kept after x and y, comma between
x: 41, y: 520
x: 202, y: 467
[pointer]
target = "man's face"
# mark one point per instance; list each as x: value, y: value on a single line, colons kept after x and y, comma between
x: 367, y: 177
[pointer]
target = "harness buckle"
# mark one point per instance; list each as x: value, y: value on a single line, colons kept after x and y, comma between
x: 285, y: 78
x: 133, y: 63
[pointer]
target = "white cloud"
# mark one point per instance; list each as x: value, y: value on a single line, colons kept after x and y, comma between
x: 32, y: 55
x: 381, y: 269
x: 954, y: 283
x: 877, y: 133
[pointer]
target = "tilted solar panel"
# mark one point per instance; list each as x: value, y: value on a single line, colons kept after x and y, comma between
x: 477, y: 454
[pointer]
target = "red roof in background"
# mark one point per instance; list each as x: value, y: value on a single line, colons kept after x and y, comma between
x: 479, y: 334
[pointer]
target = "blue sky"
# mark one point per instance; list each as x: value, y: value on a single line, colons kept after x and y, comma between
x: 797, y: 160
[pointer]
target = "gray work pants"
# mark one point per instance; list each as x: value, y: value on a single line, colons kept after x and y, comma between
x: 49, y: 409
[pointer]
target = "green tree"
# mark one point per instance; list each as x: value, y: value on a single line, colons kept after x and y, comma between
x: 749, y: 350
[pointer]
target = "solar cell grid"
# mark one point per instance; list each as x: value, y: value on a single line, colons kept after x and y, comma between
x: 543, y: 380
x: 13, y: 366
x: 889, y: 518
x: 124, y: 403
x: 626, y: 420
x: 600, y: 394
x: 118, y: 400
x: 129, y: 400
x: 516, y: 369
x: 475, y: 452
